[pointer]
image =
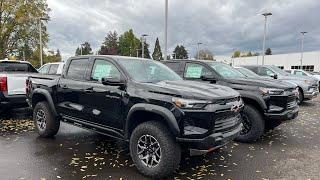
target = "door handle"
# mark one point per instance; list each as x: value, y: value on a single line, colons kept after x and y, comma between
x: 89, y: 90
x: 64, y: 86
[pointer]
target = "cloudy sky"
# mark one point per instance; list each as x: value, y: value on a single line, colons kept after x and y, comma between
x: 221, y: 25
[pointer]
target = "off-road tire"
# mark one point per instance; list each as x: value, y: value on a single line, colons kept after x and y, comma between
x: 301, y: 97
x: 52, y: 123
x: 170, y: 149
x: 257, y: 125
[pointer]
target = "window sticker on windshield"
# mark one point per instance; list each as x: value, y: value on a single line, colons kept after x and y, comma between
x: 101, y: 70
x: 194, y: 72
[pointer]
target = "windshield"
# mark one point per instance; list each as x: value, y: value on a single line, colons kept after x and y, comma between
x: 248, y: 72
x: 225, y: 70
x: 148, y: 71
x: 15, y: 67
x: 279, y: 71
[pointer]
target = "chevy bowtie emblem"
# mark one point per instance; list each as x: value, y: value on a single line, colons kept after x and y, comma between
x: 235, y: 108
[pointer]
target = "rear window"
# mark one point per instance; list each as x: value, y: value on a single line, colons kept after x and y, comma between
x: 16, y: 67
x: 53, y: 69
x: 77, y: 69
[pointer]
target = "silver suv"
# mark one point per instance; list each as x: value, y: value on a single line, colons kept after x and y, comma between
x: 308, y: 86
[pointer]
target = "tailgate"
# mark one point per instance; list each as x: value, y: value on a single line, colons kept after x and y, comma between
x: 16, y: 84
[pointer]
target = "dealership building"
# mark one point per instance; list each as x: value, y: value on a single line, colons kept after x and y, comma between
x: 310, y: 61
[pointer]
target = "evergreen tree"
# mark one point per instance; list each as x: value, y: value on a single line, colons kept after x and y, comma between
x: 58, y: 56
x: 268, y: 52
x: 110, y: 44
x: 157, y: 54
x: 85, y: 49
x: 128, y: 44
x: 181, y: 52
x: 146, y: 50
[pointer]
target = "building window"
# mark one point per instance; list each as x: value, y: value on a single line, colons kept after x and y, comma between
x: 305, y: 67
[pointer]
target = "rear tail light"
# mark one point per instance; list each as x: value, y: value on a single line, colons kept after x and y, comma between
x: 3, y: 84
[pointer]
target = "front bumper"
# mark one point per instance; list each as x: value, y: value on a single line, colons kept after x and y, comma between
x: 204, y: 145
x: 311, y: 93
x: 284, y: 116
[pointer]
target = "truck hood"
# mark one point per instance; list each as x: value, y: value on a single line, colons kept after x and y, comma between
x: 260, y: 82
x: 298, y: 79
x: 190, y: 90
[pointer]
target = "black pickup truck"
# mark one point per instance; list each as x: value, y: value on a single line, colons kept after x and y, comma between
x: 139, y: 101
x: 268, y: 103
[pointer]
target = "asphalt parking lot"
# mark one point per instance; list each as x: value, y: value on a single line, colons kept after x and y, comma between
x: 291, y: 151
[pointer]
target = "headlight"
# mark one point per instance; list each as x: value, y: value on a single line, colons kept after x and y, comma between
x: 189, y: 103
x: 308, y: 82
x: 271, y: 91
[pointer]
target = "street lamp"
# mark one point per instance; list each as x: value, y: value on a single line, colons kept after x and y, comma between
x: 143, y: 40
x: 302, y: 39
x: 166, y: 30
x: 199, y: 43
x: 264, y: 35
x: 40, y: 37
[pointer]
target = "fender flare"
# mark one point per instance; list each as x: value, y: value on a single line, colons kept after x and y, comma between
x: 165, y: 113
x: 48, y: 97
x: 254, y: 97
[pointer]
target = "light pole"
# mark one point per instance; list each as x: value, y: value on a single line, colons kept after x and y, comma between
x: 199, y: 43
x: 143, y: 40
x: 264, y: 35
x: 166, y: 30
x: 138, y: 52
x: 40, y: 38
x: 302, y: 39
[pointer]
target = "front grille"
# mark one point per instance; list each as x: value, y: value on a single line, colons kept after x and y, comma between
x: 226, y: 123
x: 226, y: 101
x: 292, y: 102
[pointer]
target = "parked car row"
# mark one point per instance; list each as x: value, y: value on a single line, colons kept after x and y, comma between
x: 164, y: 109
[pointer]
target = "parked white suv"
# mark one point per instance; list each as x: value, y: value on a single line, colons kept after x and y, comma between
x: 13, y: 75
x: 52, y: 68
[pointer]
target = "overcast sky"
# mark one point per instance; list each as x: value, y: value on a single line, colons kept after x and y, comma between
x: 222, y: 25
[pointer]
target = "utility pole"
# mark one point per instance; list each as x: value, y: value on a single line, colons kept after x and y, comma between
x: 166, y: 30
x: 264, y: 35
x: 143, y: 40
x: 199, y: 49
x: 302, y: 41
x: 40, y: 38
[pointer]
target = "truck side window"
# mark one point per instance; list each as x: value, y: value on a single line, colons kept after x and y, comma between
x: 299, y: 73
x: 53, y: 69
x: 195, y: 71
x: 265, y: 71
x: 103, y: 68
x: 77, y: 69
x: 176, y: 67
x: 44, y: 69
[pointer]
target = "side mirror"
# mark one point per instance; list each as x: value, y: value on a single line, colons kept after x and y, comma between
x: 112, y: 81
x: 208, y: 78
x: 274, y: 76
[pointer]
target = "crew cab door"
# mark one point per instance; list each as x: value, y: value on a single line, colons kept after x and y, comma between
x: 105, y: 101
x: 71, y: 90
